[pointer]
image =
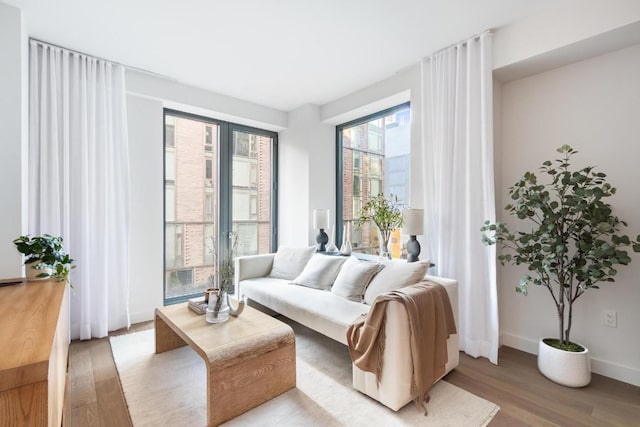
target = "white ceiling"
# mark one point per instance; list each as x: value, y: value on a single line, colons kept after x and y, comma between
x: 277, y: 53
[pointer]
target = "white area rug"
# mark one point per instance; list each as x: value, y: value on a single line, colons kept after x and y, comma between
x: 168, y: 389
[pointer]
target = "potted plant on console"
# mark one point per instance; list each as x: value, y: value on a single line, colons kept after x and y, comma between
x: 573, y: 245
x: 45, y: 257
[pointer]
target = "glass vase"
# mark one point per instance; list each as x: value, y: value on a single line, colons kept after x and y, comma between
x: 218, y: 307
x: 384, y: 248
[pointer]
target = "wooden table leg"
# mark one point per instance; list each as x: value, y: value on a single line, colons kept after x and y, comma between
x: 166, y: 338
x: 234, y: 390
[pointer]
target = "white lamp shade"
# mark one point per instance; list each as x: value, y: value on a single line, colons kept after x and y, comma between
x: 413, y: 222
x: 321, y: 219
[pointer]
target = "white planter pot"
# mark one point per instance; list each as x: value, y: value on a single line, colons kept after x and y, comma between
x: 571, y: 369
x: 32, y: 272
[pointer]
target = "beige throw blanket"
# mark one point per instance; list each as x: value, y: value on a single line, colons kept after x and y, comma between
x: 431, y: 322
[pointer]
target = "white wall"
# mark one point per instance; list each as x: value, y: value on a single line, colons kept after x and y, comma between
x: 594, y: 106
x: 306, y: 179
x: 13, y: 122
x: 204, y: 102
x: 566, y: 23
x: 322, y: 168
x: 293, y: 183
x: 147, y: 221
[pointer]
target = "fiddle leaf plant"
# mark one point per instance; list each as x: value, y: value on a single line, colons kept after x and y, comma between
x: 575, y: 241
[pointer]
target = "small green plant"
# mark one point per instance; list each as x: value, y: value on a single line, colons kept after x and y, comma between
x: 575, y: 240
x: 386, y: 214
x: 49, y: 254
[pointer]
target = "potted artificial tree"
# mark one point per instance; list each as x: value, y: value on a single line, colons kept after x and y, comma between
x: 45, y: 257
x: 386, y: 214
x: 573, y: 245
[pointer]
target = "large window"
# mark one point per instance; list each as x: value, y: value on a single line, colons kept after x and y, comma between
x: 373, y: 158
x: 252, y: 181
x: 219, y: 179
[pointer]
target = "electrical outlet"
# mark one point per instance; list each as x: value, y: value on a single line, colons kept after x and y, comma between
x: 610, y: 318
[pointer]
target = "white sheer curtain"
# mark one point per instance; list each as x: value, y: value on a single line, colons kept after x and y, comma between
x: 79, y: 177
x: 459, y: 184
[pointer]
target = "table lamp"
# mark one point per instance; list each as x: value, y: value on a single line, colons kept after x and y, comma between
x: 413, y: 226
x: 320, y: 222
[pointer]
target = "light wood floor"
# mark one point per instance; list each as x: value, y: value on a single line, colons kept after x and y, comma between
x: 525, y: 397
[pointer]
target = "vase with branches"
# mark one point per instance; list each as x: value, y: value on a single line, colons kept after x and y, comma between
x: 222, y: 282
x: 575, y: 240
x: 386, y: 214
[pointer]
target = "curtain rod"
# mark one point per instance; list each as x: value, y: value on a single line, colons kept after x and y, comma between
x: 130, y: 67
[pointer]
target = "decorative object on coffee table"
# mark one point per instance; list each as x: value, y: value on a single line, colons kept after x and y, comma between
x: 573, y: 243
x: 217, y: 296
x: 321, y: 222
x: 413, y: 226
x: 218, y: 309
x: 198, y: 305
x: 208, y: 291
x: 46, y: 257
x: 386, y: 214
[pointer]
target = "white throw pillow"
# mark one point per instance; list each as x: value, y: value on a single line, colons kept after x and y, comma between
x: 289, y: 262
x: 354, y: 277
x: 393, y: 276
x: 320, y: 272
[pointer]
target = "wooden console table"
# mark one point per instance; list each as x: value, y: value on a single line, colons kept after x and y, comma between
x: 34, y: 348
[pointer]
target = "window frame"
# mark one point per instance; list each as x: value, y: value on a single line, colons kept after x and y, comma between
x: 340, y: 159
x: 225, y: 183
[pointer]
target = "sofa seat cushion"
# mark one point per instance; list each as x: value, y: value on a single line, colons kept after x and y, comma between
x: 317, y: 309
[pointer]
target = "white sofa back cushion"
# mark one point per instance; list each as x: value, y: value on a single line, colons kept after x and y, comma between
x: 395, y: 275
x: 320, y: 272
x: 354, y: 277
x: 289, y: 262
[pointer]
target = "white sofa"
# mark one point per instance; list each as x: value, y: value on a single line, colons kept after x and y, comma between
x: 331, y: 315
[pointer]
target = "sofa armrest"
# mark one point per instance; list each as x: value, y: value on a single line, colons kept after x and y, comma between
x: 252, y: 266
x: 394, y: 388
x: 451, y: 286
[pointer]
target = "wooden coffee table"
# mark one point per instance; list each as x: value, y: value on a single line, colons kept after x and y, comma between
x: 249, y: 359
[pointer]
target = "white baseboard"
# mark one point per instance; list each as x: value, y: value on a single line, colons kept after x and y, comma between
x: 606, y: 368
x: 143, y: 316
x: 520, y: 343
